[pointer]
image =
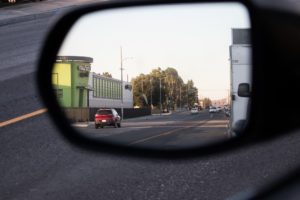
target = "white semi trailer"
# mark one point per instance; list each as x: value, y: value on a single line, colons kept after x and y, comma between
x: 240, y: 57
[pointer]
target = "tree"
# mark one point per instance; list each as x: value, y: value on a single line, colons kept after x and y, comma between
x: 192, y: 93
x: 206, y: 102
x: 146, y: 89
x: 107, y: 74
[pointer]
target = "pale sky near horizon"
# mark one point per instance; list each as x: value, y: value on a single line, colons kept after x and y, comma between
x: 194, y: 39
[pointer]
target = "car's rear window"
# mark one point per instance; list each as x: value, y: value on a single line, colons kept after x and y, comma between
x: 104, y: 112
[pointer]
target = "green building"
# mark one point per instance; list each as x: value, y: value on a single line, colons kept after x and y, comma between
x: 70, y: 78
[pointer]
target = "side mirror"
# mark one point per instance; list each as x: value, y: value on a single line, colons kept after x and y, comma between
x: 145, y: 136
x: 244, y: 90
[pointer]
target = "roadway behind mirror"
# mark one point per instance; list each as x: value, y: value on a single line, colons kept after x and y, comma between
x: 163, y: 77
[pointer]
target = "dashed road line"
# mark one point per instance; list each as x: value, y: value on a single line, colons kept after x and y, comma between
x: 163, y: 134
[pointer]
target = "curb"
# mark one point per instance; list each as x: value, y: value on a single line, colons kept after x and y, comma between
x: 162, y: 114
x: 126, y: 120
x: 81, y: 125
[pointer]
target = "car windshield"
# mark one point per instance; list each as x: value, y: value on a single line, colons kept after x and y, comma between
x: 104, y: 112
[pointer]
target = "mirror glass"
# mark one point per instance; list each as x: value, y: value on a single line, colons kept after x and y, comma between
x: 163, y: 77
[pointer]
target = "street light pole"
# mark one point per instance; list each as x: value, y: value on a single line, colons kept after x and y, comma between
x: 187, y: 96
x: 151, y: 93
x: 180, y: 97
x: 142, y: 87
x: 160, y: 95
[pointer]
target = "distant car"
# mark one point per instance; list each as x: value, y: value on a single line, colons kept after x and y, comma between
x: 219, y: 108
x: 212, y: 109
x: 227, y: 112
x: 107, y: 117
x: 194, y: 111
x: 165, y: 110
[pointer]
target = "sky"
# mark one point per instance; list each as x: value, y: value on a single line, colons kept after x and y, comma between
x: 192, y: 38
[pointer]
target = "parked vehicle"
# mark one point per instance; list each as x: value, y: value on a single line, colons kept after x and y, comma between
x: 219, y: 109
x: 227, y: 111
x: 107, y: 117
x: 194, y: 110
x: 240, y: 57
x: 165, y: 110
x: 212, y: 109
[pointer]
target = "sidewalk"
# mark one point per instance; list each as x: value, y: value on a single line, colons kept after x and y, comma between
x: 34, y: 10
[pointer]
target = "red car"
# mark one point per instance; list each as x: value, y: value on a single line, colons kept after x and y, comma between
x: 107, y: 117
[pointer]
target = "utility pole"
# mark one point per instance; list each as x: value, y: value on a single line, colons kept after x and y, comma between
x: 122, y: 84
x: 122, y: 103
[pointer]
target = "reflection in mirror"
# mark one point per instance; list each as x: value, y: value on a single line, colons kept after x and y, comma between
x: 162, y: 77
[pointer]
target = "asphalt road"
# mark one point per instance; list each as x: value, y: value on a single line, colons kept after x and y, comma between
x: 176, y: 130
x: 36, y: 163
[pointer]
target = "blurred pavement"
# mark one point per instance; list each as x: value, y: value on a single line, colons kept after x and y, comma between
x: 35, y: 10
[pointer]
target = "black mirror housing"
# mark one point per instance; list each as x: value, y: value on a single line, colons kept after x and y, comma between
x: 263, y: 86
x: 48, y: 56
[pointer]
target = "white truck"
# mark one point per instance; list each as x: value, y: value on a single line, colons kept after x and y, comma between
x: 240, y: 59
